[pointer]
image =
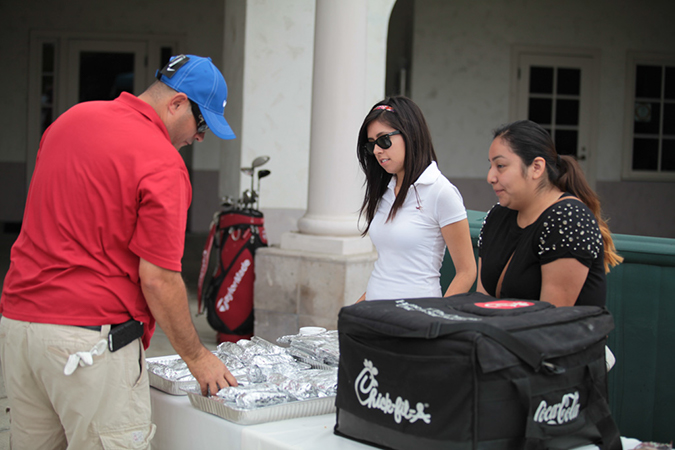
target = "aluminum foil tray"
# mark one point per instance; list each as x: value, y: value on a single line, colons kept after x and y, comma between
x: 314, y: 364
x: 290, y: 410
x: 165, y: 385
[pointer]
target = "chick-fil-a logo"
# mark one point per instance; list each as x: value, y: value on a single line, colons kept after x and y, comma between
x: 368, y: 395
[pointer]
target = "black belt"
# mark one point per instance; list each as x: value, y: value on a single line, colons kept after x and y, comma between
x: 91, y: 327
x: 98, y: 327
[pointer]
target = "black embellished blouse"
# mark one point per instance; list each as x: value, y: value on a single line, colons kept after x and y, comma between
x: 566, y: 229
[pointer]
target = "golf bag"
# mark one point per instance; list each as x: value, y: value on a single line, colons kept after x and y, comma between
x: 227, y: 294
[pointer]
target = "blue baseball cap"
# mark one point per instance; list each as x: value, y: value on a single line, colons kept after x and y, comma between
x: 202, y: 82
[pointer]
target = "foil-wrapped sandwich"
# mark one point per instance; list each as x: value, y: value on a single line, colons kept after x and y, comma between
x: 267, y: 374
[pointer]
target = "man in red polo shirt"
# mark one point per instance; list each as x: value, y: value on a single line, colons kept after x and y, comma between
x: 98, y: 260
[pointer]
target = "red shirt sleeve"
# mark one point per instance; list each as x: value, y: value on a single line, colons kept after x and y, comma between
x: 163, y: 201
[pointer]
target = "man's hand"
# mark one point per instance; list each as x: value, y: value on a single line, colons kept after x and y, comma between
x: 165, y: 293
x: 211, y: 373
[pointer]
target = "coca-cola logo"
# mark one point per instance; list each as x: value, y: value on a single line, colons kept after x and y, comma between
x: 505, y: 304
x: 368, y: 395
x: 560, y: 413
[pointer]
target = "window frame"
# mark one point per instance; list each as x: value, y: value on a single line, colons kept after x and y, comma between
x: 590, y: 96
x: 634, y: 59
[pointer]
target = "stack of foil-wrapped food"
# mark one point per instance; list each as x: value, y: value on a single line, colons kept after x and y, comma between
x: 304, y: 369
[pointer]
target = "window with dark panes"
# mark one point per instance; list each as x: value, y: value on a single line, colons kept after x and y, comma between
x: 654, y: 118
x: 554, y: 99
x: 104, y: 75
x: 69, y: 67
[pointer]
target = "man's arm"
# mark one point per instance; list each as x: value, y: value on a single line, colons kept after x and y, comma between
x: 166, y: 296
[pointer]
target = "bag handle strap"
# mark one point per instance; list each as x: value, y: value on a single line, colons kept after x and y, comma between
x: 597, y: 412
x: 602, y: 416
x: 527, y: 353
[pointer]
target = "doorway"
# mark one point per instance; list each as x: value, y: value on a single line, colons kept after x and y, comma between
x: 557, y: 89
x: 68, y: 68
x: 101, y: 70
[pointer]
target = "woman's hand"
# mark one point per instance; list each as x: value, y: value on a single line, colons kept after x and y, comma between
x: 362, y: 298
x: 458, y: 239
x: 562, y: 280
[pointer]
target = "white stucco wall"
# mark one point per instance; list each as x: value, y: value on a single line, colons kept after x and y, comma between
x: 277, y: 87
x: 277, y: 83
x: 201, y: 34
x: 461, y: 66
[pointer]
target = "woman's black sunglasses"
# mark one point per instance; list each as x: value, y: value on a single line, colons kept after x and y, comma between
x: 201, y: 123
x: 383, y: 142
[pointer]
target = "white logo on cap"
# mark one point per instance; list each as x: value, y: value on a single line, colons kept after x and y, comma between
x: 176, y: 60
x: 224, y: 103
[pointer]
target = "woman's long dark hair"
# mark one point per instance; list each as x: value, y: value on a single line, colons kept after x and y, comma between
x: 406, y: 117
x: 529, y: 141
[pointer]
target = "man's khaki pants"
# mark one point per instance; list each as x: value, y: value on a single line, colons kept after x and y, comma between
x: 105, y: 405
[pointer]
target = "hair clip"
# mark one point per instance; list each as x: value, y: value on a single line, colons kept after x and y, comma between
x: 385, y: 107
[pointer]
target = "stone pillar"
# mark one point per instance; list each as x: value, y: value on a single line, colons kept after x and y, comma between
x: 326, y: 265
x: 330, y: 224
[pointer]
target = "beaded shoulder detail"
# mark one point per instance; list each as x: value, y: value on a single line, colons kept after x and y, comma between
x: 569, y: 225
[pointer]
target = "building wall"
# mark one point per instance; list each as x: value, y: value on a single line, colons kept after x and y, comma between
x: 268, y: 49
x: 461, y: 77
x: 275, y: 43
x: 199, y: 32
x: 277, y: 92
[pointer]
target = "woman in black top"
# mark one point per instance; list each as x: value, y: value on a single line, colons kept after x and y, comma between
x: 545, y: 239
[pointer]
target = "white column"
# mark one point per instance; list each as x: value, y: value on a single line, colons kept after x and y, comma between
x: 330, y: 224
x: 327, y: 264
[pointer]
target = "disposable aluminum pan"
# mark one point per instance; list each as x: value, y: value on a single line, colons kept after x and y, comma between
x: 165, y: 385
x: 313, y: 363
x: 290, y: 410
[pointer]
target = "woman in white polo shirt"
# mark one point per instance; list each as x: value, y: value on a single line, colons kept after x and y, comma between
x: 412, y: 211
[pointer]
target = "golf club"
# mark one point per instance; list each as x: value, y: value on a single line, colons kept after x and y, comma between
x: 228, y: 201
x: 246, y: 199
x: 259, y: 161
x: 261, y: 174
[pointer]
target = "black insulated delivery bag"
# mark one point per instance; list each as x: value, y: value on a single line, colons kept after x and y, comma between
x: 473, y: 372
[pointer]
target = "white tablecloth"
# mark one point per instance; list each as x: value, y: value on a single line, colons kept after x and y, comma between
x: 180, y: 426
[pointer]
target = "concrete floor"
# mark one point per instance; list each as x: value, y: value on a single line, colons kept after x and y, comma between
x: 159, y: 345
